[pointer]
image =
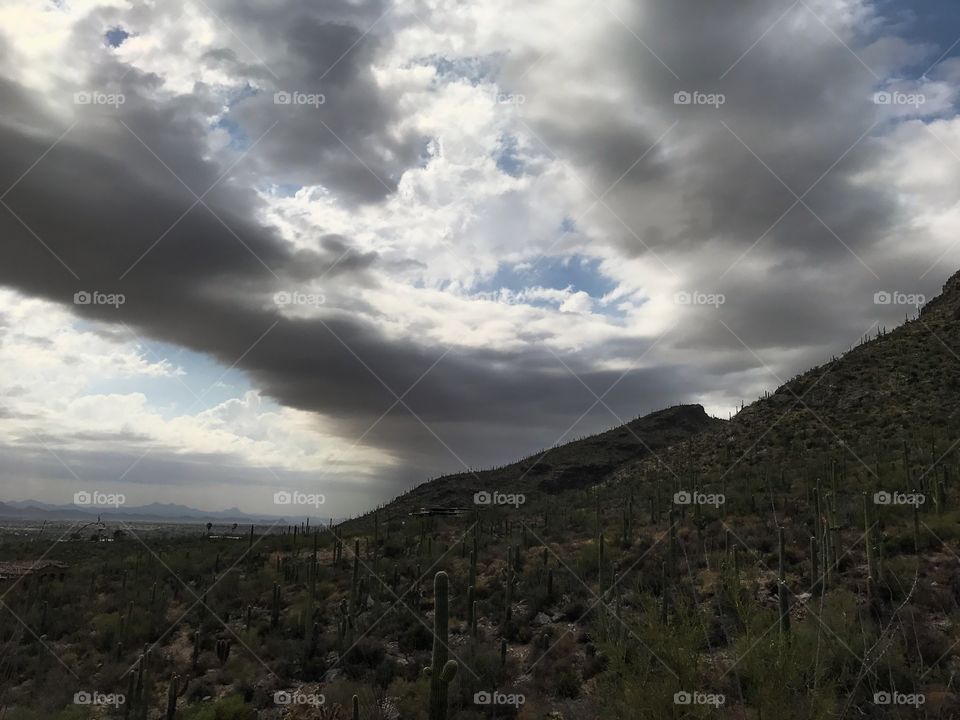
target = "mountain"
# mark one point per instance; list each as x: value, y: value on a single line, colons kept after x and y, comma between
x: 891, y: 398
x: 571, y: 466
x: 154, y: 512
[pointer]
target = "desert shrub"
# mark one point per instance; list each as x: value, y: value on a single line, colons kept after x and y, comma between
x: 230, y: 708
x: 412, y: 698
x: 555, y: 672
x: 415, y: 637
x: 366, y: 654
x: 575, y: 610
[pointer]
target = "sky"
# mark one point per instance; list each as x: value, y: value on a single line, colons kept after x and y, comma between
x: 339, y: 248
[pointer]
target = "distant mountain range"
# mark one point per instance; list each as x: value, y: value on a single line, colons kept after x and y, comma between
x: 154, y: 512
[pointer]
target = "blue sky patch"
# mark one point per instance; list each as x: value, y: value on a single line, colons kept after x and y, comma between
x: 477, y: 70
x: 935, y: 22
x: 508, y: 160
x: 577, y: 272
x: 114, y: 37
x: 173, y: 396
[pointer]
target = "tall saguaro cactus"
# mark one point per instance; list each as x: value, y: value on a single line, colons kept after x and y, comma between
x: 441, y: 670
x: 275, y: 606
x: 175, y: 690
x: 814, y: 564
x: 868, y: 537
x: 672, y: 542
x: 508, y: 599
x: 355, y: 585
x: 782, y: 586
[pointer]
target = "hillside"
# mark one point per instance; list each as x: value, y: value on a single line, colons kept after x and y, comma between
x: 859, y: 412
x: 572, y: 466
x: 891, y: 395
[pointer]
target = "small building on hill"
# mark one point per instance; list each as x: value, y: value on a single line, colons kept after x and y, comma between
x: 442, y: 511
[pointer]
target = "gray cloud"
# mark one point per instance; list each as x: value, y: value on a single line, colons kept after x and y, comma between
x: 798, y: 114
x: 112, y: 201
x: 100, y: 200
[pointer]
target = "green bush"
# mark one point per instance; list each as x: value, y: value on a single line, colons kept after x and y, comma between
x: 230, y: 708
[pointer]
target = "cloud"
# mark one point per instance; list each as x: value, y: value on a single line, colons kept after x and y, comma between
x: 421, y: 189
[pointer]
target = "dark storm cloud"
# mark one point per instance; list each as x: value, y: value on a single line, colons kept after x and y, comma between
x: 102, y: 207
x: 723, y: 182
x: 798, y: 101
x: 327, y: 49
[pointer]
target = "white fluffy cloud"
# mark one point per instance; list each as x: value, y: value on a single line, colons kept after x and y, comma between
x: 55, y: 376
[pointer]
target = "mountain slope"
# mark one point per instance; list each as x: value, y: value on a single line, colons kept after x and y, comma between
x: 895, y: 394
x: 574, y: 465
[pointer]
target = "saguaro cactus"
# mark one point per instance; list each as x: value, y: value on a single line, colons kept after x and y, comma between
x: 665, y: 600
x: 916, y: 529
x: 176, y: 689
x: 195, y: 655
x: 600, y: 560
x: 672, y: 542
x: 472, y: 582
x: 355, y: 584
x: 814, y: 564
x: 275, y: 607
x: 139, y: 689
x: 223, y: 651
x: 470, y: 606
x: 782, y: 586
x: 441, y: 670
x: 508, y: 600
